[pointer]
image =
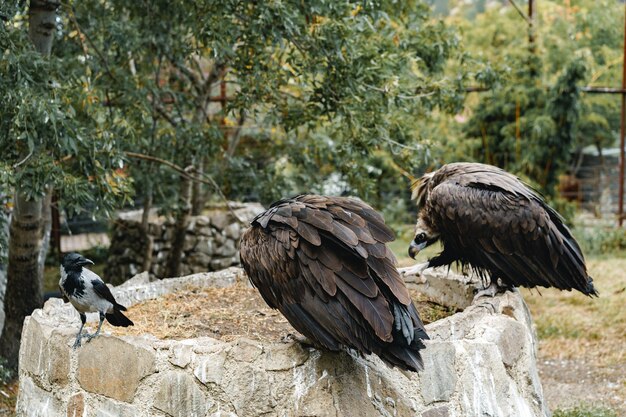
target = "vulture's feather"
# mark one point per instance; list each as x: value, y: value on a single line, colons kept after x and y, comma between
x: 490, y: 220
x: 322, y: 261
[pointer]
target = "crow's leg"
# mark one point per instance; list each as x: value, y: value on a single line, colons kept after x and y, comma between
x: 416, y: 269
x: 83, y: 320
x: 91, y: 336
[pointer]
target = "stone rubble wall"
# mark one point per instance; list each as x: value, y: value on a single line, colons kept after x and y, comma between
x: 479, y: 362
x: 211, y: 243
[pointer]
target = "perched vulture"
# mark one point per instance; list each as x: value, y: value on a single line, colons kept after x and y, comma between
x: 490, y: 220
x: 323, y: 263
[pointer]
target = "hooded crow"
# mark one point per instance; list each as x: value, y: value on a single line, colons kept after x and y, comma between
x: 89, y: 294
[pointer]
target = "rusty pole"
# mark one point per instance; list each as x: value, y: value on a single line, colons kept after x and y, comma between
x: 620, y: 206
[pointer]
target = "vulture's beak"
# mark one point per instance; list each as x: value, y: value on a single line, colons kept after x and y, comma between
x: 415, y: 248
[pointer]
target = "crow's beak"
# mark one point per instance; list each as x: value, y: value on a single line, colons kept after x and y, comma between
x: 415, y: 248
x: 86, y: 262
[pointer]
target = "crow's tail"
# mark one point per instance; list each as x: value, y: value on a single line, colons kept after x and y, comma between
x: 117, y: 318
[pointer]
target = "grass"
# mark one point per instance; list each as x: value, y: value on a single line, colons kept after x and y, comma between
x: 571, y: 325
x: 585, y: 411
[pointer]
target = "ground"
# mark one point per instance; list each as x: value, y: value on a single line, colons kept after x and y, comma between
x: 582, y: 341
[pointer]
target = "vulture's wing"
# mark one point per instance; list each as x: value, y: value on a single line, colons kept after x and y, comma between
x: 322, y: 261
x: 496, y: 221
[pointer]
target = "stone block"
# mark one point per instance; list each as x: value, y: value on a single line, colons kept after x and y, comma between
x: 112, y: 367
x: 210, y: 368
x: 205, y: 247
x: 227, y: 250
x: 220, y: 219
x: 32, y: 401
x: 439, y: 378
x: 179, y: 396
x: 110, y: 408
x: 76, y: 405
x: 44, y: 352
x: 283, y: 357
x: 180, y: 355
x: 219, y: 264
x: 233, y: 231
x: 442, y: 411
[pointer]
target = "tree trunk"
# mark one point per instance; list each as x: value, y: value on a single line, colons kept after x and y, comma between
x: 145, y: 229
x: 24, y: 291
x: 182, y: 221
x: 198, y: 196
x: 24, y: 286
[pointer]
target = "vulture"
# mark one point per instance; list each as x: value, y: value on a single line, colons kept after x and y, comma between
x: 323, y: 263
x: 489, y: 220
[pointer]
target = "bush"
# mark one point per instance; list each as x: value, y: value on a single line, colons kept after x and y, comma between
x: 597, y: 240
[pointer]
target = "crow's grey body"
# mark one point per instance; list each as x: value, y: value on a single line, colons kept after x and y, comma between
x: 89, y: 294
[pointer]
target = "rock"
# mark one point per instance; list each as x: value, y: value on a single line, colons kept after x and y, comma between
x: 438, y: 380
x: 76, y: 405
x: 33, y: 401
x: 284, y: 357
x: 110, y: 408
x: 227, y: 250
x: 180, y: 355
x: 233, y: 231
x: 210, y: 368
x: 113, y: 367
x: 220, y: 219
x: 205, y: 247
x: 178, y: 396
x: 437, y: 412
x: 219, y: 264
x: 43, y: 351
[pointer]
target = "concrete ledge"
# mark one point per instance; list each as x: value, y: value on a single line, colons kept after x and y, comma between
x: 480, y: 362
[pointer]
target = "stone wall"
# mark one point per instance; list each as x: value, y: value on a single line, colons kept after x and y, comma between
x: 480, y: 362
x: 211, y: 244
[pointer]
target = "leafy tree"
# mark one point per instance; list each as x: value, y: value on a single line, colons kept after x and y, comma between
x: 529, y: 128
x: 320, y: 93
x: 50, y: 141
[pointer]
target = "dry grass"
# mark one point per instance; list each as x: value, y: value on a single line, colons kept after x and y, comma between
x: 571, y: 325
x: 226, y: 314
x: 8, y: 397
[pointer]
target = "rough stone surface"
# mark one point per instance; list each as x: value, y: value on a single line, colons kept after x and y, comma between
x: 479, y: 362
x: 76, y: 405
x: 211, y: 241
x: 113, y: 367
x: 179, y: 396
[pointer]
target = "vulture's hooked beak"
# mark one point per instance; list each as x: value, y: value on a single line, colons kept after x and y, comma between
x: 415, y: 248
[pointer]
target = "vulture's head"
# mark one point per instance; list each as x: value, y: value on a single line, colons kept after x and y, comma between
x: 424, y: 236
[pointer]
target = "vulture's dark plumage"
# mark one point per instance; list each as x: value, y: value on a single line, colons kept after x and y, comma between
x: 490, y: 220
x: 323, y: 263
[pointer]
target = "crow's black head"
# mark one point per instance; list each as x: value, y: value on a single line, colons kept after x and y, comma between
x: 74, y: 261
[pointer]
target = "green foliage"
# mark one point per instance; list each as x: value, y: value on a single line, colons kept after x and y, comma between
x: 6, y: 373
x: 585, y: 411
x: 599, y: 240
x: 50, y: 131
x: 520, y: 125
x: 319, y: 86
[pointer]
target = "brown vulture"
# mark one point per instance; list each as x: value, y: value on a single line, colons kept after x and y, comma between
x: 491, y: 221
x: 323, y: 263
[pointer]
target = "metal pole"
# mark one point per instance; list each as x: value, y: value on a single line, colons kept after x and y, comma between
x: 620, y: 207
